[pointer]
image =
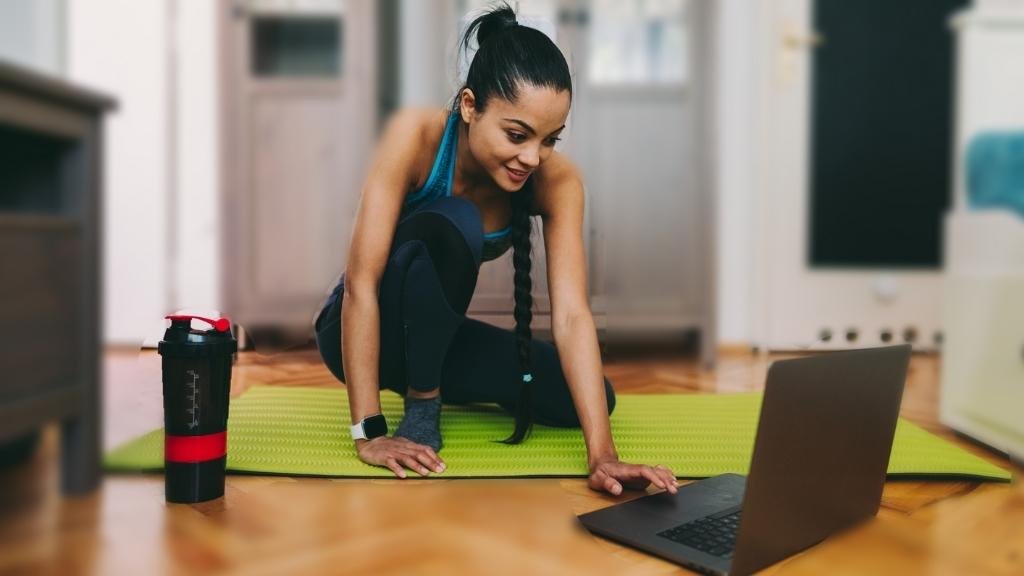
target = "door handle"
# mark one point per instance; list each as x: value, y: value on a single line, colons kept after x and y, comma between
x: 803, y: 41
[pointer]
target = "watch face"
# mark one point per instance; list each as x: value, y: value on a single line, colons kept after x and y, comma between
x: 375, y: 426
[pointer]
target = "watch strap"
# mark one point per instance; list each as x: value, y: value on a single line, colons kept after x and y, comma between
x: 357, y: 431
x: 379, y: 427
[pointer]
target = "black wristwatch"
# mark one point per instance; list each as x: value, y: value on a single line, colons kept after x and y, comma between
x: 370, y: 428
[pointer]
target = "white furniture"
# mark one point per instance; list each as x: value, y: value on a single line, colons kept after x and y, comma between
x: 983, y: 358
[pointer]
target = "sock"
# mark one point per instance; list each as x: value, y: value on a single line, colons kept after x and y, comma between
x: 422, y: 422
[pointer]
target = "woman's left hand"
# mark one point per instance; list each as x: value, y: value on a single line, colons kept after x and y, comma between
x: 612, y: 476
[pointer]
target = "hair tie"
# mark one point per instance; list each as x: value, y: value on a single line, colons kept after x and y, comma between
x: 527, y: 377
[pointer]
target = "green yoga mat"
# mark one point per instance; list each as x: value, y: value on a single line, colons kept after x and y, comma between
x: 302, y: 431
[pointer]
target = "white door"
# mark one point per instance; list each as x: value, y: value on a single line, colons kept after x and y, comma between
x: 801, y: 302
x: 300, y: 109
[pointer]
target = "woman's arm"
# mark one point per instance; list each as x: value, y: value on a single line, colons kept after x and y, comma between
x: 391, y: 174
x: 379, y: 207
x: 560, y: 200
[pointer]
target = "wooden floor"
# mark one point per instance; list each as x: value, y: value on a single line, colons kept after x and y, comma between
x: 275, y: 525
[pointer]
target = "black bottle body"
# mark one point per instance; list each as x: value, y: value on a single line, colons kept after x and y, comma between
x: 196, y: 389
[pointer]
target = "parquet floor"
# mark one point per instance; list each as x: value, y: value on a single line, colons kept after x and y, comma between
x: 278, y: 525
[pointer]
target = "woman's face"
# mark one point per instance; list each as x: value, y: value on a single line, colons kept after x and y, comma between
x: 510, y: 140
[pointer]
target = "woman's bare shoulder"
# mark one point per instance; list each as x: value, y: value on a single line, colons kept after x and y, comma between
x: 557, y: 179
x: 425, y: 125
x: 558, y: 168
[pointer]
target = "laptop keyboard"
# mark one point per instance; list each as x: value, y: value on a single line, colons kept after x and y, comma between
x: 715, y: 535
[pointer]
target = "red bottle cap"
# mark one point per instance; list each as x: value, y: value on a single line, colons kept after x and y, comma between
x: 220, y: 324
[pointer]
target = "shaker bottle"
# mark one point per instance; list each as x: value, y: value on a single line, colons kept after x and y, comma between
x: 197, y: 383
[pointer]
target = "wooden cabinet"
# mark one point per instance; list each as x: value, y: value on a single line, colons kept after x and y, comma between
x: 50, y: 202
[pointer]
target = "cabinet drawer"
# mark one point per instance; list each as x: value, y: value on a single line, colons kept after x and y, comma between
x: 40, y: 301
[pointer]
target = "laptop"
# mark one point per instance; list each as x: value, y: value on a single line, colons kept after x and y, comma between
x: 820, y: 458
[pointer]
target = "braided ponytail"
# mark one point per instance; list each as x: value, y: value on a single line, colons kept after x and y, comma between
x: 522, y: 229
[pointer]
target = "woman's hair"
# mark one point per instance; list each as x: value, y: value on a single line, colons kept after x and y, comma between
x: 508, y: 57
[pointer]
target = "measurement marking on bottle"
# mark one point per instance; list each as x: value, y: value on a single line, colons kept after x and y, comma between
x: 193, y: 386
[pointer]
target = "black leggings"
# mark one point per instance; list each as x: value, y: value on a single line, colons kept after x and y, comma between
x: 426, y: 339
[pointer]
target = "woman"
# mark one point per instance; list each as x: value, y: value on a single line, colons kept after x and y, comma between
x: 426, y: 221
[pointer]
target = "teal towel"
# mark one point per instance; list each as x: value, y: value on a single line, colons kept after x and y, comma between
x: 995, y: 171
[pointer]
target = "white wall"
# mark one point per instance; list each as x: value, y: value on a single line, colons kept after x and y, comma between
x: 735, y: 168
x: 118, y: 47
x: 159, y: 60
x: 1000, y: 4
x: 426, y: 36
x: 32, y: 34
x: 196, y: 237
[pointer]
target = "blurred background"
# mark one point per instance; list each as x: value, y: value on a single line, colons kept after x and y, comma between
x: 773, y: 175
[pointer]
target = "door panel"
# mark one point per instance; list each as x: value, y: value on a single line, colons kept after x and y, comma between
x: 300, y: 110
x: 296, y: 229
x: 644, y: 222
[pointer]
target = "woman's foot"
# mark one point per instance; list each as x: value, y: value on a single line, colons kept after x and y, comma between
x: 422, y: 421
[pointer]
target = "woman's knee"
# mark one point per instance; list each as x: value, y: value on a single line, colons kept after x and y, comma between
x: 444, y: 216
x: 450, y: 232
x: 328, y: 342
x: 562, y: 412
x: 554, y: 405
x: 459, y: 210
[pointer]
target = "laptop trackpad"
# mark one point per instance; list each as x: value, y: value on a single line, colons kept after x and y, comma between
x: 697, y: 499
x: 693, y: 501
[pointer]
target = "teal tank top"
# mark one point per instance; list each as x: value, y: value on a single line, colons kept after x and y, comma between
x: 439, y: 185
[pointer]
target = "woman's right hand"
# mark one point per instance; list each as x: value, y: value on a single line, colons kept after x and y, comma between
x: 397, y: 454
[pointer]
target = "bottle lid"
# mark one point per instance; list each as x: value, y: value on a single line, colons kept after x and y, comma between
x: 181, y: 340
